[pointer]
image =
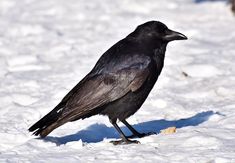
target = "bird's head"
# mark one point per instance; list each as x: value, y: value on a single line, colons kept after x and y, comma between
x: 155, y: 30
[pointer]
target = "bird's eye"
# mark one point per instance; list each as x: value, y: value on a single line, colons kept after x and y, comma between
x: 161, y: 30
x: 164, y: 30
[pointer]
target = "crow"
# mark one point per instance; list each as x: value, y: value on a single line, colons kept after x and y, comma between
x: 118, y: 84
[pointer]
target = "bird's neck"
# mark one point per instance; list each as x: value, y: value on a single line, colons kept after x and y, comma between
x: 158, y: 57
x: 159, y: 52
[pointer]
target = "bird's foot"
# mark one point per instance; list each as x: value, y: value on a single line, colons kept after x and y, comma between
x: 141, y: 135
x: 123, y: 142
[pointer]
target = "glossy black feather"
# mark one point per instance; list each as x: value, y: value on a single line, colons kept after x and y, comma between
x: 120, y: 81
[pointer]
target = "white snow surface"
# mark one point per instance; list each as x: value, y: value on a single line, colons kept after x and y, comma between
x: 48, y: 46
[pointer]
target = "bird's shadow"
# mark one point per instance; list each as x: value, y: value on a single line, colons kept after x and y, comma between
x: 97, y: 132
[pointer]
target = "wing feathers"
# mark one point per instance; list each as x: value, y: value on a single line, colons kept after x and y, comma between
x: 104, y: 88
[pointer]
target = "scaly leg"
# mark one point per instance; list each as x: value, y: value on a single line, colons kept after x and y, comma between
x: 124, y: 139
x: 136, y: 133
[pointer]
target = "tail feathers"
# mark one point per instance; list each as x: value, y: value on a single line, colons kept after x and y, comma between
x: 47, y: 124
x: 43, y: 132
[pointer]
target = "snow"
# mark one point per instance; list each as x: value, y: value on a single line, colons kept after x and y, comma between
x: 47, y: 46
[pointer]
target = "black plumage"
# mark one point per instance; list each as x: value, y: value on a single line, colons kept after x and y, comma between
x: 118, y: 84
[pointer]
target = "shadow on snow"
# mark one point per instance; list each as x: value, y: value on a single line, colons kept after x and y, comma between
x: 200, y: 1
x: 97, y: 132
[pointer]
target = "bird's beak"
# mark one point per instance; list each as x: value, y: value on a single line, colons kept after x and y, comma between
x: 173, y: 35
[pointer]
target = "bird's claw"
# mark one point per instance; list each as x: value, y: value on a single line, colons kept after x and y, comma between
x: 141, y: 135
x: 123, y: 142
x: 150, y: 133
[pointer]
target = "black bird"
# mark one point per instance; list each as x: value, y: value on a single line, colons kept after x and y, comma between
x: 118, y: 84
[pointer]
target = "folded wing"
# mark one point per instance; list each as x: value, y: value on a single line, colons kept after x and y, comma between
x: 103, y: 88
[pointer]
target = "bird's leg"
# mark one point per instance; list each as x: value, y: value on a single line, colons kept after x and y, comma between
x: 136, y: 133
x: 124, y: 139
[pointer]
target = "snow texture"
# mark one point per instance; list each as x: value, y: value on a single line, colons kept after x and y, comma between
x: 47, y: 46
